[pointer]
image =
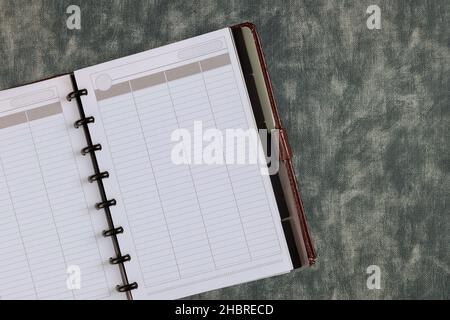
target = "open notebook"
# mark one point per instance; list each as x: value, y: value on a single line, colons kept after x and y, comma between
x: 120, y: 219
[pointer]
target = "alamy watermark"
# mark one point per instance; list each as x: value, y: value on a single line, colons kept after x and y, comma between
x: 74, y: 20
x: 374, y: 20
x: 226, y: 147
x: 374, y: 279
x: 73, y: 281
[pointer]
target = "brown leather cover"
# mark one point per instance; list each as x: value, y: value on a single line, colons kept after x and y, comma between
x: 285, y: 149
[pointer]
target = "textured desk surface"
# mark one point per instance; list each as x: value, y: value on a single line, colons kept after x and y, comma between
x: 367, y: 113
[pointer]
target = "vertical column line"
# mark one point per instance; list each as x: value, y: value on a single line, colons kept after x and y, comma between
x: 226, y: 166
x: 192, y: 177
x: 18, y: 227
x: 46, y: 193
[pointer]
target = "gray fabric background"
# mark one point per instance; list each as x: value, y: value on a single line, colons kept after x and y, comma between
x: 367, y: 113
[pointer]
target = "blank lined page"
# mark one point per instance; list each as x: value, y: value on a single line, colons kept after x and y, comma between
x: 195, y: 227
x: 45, y: 224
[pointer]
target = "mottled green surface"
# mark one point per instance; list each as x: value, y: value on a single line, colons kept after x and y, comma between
x: 367, y: 113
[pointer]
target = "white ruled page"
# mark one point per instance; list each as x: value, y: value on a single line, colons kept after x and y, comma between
x: 194, y: 227
x: 50, y: 236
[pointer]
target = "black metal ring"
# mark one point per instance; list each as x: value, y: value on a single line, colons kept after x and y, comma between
x: 111, y: 232
x: 107, y: 203
x: 76, y: 93
x: 120, y: 259
x: 83, y: 121
x: 100, y: 176
x: 127, y: 287
x: 95, y: 147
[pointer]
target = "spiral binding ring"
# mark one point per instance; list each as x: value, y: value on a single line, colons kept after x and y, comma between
x: 111, y: 232
x: 120, y: 259
x: 89, y: 149
x: 100, y: 176
x: 83, y: 121
x: 127, y: 287
x: 104, y: 204
x: 76, y: 93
